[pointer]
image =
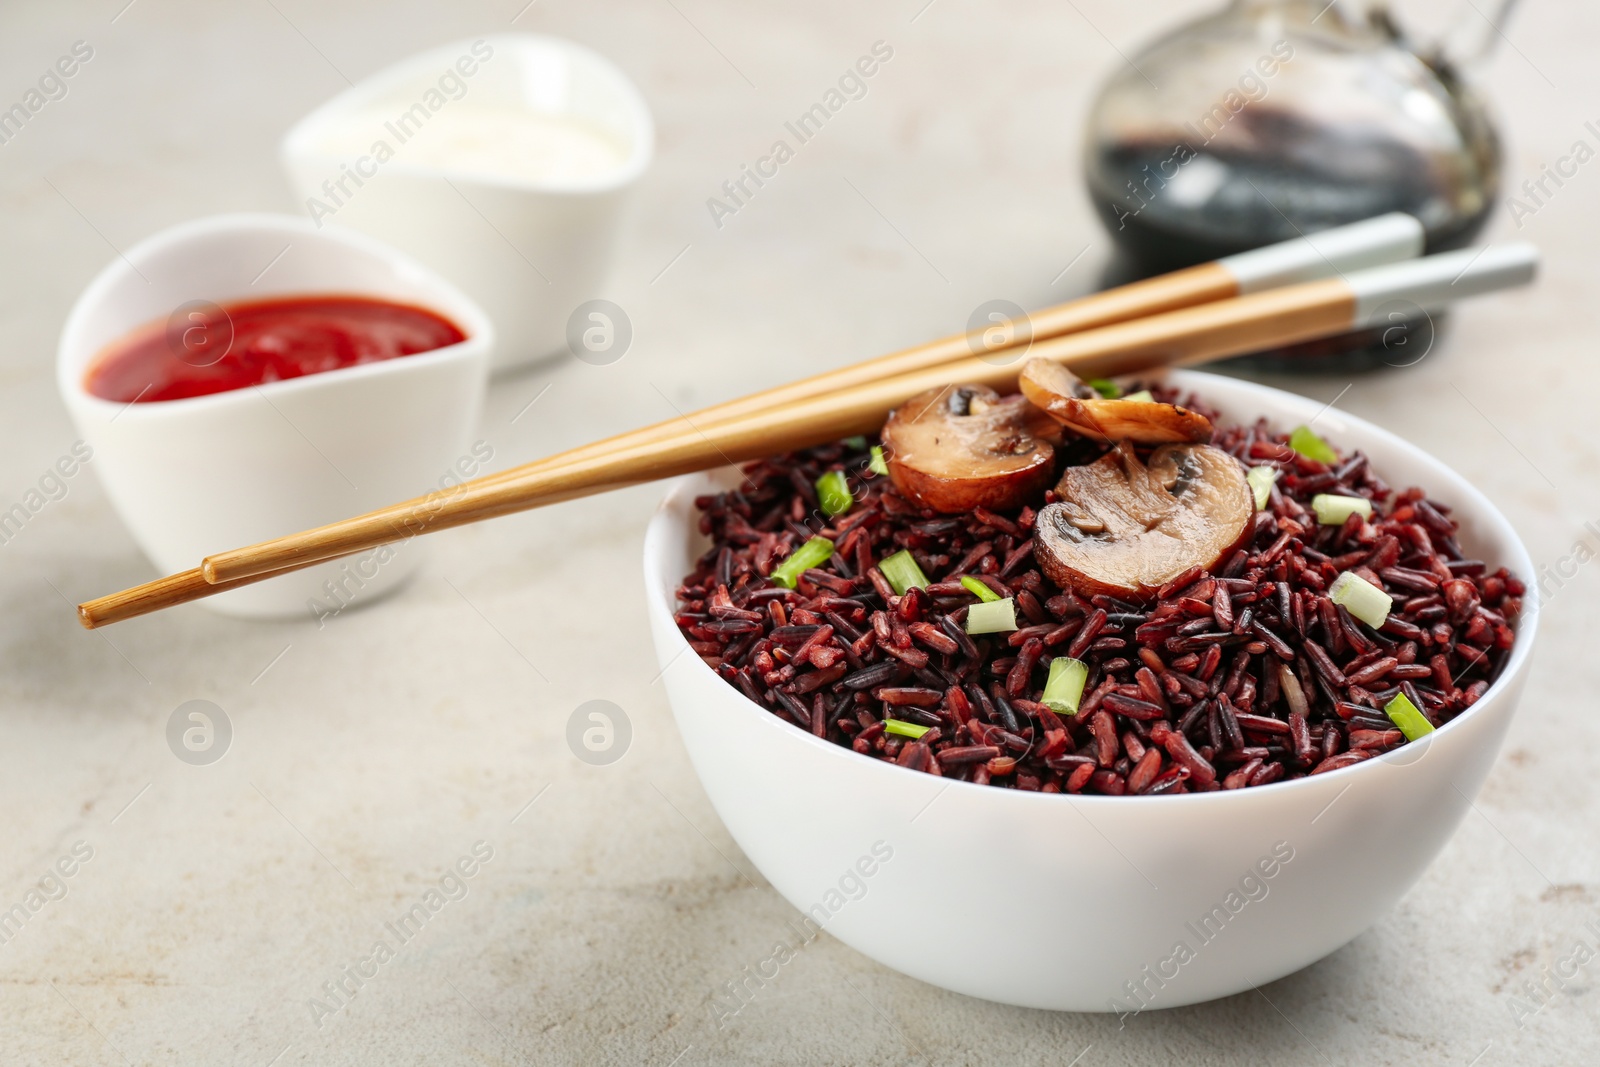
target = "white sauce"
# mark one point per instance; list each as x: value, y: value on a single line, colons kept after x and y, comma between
x: 483, y: 141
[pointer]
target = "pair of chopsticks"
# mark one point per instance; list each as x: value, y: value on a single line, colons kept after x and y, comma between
x: 1349, y: 278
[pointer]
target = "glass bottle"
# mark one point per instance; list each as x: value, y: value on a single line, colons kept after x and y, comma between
x: 1274, y: 118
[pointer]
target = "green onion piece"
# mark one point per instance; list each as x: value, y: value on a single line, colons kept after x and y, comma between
x: 1309, y: 445
x: 813, y: 552
x: 1105, y: 387
x: 1405, y: 715
x: 978, y: 589
x: 1063, y: 690
x: 1361, y: 598
x: 992, y: 617
x: 903, y: 572
x: 833, y: 493
x: 1143, y: 396
x: 1333, y: 509
x: 856, y: 444
x: 878, y: 465
x: 1261, y: 479
x: 904, y: 729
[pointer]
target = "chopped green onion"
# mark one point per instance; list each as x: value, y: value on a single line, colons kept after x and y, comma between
x: 813, y: 552
x: 833, y: 493
x: 1105, y: 387
x: 1143, y: 396
x: 1405, y: 715
x: 1361, y: 598
x: 978, y: 589
x: 903, y: 572
x: 1063, y: 690
x: 856, y: 444
x: 1261, y: 479
x: 992, y: 617
x: 1309, y: 445
x: 1333, y: 509
x: 878, y: 465
x: 904, y: 729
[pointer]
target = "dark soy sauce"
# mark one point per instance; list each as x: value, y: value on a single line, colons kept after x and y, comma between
x: 1253, y: 202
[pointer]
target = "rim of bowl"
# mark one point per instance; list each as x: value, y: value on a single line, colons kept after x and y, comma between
x: 293, y: 149
x: 1467, y: 498
x: 444, y: 299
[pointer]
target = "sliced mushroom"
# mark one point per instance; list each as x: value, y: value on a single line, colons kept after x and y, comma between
x: 1052, y: 387
x: 957, y: 448
x: 1125, y: 529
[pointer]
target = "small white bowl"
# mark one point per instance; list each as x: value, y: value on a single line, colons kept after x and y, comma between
x: 202, y: 474
x: 1075, y: 902
x: 492, y: 236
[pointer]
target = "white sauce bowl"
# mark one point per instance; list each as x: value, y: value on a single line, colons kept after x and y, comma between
x: 530, y: 249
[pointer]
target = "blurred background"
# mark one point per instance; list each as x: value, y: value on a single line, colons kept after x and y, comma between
x: 369, y: 754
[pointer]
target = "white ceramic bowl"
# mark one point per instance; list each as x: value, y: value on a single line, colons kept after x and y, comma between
x: 1076, y: 903
x: 494, y: 237
x: 206, y: 473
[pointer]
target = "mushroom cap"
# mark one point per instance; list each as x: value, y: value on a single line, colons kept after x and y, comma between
x: 1125, y: 528
x: 1051, y: 387
x: 960, y: 447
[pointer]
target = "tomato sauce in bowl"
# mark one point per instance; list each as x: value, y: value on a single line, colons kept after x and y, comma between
x: 204, y: 349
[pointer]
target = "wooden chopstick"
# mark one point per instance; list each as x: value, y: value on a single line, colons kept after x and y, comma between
x: 174, y: 589
x: 1197, y: 334
x: 1189, y: 287
x: 1188, y: 335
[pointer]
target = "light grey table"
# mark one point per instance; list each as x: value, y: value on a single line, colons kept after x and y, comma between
x: 369, y: 755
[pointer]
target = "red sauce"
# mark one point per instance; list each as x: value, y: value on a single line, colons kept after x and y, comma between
x: 205, y: 349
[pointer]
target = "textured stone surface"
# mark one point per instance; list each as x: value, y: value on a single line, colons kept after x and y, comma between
x: 370, y: 755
